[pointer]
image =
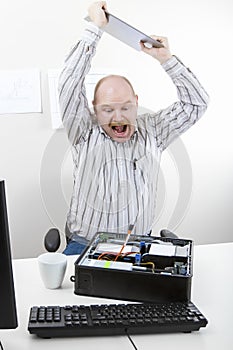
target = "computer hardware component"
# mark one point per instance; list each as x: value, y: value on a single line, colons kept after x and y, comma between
x: 114, y: 319
x: 147, y: 269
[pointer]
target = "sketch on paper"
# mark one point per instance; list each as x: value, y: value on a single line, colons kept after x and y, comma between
x: 20, y: 91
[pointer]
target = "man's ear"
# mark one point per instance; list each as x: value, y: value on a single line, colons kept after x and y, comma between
x: 93, y: 104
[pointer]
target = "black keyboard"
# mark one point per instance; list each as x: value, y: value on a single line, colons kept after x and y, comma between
x: 113, y: 319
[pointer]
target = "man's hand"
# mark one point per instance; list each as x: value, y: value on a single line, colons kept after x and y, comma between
x: 161, y: 54
x: 97, y: 14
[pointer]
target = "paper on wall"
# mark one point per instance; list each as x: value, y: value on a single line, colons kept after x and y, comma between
x: 20, y: 91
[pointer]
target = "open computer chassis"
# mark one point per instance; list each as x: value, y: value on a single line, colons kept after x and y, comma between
x: 149, y: 269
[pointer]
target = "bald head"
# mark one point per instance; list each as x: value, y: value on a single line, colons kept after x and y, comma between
x: 113, y: 88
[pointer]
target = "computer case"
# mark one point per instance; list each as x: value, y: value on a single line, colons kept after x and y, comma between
x: 149, y: 269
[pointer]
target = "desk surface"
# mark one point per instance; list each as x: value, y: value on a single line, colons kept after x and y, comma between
x: 212, y: 292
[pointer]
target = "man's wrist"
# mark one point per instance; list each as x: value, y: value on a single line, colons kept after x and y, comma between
x: 92, y: 33
x: 93, y: 26
x: 165, y: 59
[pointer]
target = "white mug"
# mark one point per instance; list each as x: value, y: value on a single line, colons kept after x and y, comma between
x: 52, y: 268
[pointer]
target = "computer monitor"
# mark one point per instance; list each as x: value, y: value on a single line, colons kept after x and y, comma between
x: 8, y: 314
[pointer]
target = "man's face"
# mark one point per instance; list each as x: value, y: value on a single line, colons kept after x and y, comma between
x: 116, y: 108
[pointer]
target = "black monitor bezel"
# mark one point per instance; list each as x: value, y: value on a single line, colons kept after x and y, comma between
x: 8, y: 312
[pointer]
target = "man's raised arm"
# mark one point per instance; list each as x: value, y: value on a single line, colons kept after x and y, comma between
x: 192, y: 97
x: 72, y: 94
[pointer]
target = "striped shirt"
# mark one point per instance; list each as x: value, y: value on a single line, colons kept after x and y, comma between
x: 115, y: 183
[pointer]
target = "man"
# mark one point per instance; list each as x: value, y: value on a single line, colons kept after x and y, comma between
x: 117, y: 153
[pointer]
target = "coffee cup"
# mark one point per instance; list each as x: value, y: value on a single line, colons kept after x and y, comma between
x: 52, y: 267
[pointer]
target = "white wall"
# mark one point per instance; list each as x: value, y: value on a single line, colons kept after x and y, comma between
x: 196, y: 171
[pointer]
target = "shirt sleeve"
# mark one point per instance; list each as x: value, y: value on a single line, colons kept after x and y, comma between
x: 75, y: 113
x: 180, y: 116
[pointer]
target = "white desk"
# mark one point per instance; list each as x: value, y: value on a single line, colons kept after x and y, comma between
x: 212, y: 292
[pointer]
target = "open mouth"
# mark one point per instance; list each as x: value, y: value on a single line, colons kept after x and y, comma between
x: 119, y: 129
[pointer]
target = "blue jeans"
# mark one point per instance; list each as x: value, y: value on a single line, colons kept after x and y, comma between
x: 75, y: 243
x: 74, y: 248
